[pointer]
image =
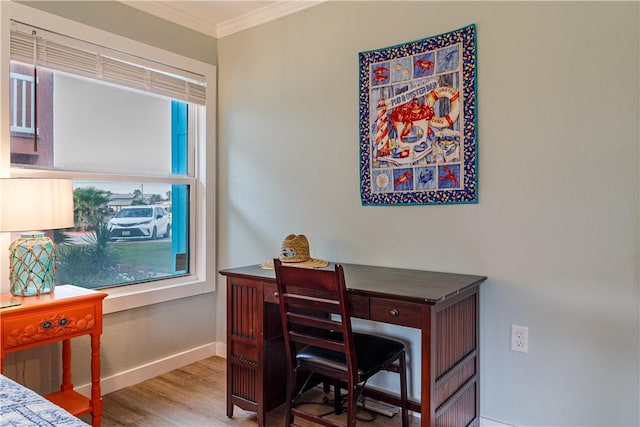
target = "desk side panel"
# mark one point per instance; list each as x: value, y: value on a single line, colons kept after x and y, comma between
x: 256, y: 364
x: 456, y: 361
x: 243, y: 336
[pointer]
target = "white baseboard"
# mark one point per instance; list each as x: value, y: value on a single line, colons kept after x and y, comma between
x: 488, y: 422
x: 221, y: 350
x: 153, y: 369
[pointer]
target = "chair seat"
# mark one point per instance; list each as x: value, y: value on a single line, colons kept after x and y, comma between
x: 372, y: 352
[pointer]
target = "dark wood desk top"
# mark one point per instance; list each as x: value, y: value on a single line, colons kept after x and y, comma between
x: 395, y: 283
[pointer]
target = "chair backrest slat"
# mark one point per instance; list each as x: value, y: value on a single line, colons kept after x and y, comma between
x: 314, y: 303
x: 314, y: 322
x: 315, y: 341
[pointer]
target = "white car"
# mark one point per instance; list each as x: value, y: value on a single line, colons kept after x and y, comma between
x: 140, y: 222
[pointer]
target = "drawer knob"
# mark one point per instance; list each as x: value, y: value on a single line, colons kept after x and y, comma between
x: 276, y: 294
x: 47, y: 324
x: 394, y: 312
x: 63, y: 322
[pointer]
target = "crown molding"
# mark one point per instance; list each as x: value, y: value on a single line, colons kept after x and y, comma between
x: 163, y: 9
x: 264, y: 14
x: 269, y: 12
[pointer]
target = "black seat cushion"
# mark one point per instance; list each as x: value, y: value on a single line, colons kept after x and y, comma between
x: 372, y: 352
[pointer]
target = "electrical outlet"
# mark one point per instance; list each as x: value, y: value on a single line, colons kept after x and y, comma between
x: 519, y: 338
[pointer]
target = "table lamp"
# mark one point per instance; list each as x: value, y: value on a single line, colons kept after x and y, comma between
x: 34, y: 204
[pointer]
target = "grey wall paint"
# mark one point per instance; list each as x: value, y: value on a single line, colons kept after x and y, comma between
x: 117, y: 18
x: 556, y: 226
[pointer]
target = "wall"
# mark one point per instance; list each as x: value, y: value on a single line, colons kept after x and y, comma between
x: 139, y: 342
x: 556, y: 227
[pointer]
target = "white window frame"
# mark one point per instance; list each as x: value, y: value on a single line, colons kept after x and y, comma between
x: 202, y: 239
x: 25, y: 114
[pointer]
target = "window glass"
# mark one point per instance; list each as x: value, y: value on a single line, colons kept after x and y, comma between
x: 124, y: 233
x: 125, y: 131
x: 132, y: 212
x: 129, y: 131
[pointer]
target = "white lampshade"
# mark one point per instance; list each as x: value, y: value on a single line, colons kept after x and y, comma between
x: 35, y: 204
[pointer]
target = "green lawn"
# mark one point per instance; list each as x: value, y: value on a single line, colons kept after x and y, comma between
x: 117, y: 263
x: 148, y: 255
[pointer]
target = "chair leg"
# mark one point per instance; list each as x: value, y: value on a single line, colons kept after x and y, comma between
x: 291, y: 391
x: 337, y: 397
x: 351, y: 404
x: 403, y: 390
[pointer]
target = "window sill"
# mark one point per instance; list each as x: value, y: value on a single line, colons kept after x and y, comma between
x: 134, y: 296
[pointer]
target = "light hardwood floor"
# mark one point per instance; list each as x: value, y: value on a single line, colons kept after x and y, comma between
x: 194, y: 396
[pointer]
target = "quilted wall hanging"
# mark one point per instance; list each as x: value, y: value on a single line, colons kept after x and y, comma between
x: 418, y: 142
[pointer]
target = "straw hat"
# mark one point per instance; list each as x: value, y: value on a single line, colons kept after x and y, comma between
x: 295, y: 251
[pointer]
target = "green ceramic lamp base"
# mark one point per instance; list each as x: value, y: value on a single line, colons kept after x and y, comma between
x: 32, y: 264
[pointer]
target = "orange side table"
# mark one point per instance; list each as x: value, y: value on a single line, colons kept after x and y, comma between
x: 68, y: 312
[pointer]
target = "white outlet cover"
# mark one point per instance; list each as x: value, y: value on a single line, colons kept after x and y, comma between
x: 519, y: 338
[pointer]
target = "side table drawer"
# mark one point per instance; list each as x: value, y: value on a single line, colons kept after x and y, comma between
x: 396, y: 312
x: 26, y: 329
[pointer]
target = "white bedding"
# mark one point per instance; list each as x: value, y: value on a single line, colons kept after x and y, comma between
x: 20, y: 407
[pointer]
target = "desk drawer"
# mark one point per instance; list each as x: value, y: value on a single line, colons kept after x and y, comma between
x: 358, y: 304
x: 270, y: 293
x: 396, y: 312
x: 44, y: 325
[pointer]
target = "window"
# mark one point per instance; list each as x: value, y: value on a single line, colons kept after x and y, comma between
x: 22, y: 104
x: 131, y: 132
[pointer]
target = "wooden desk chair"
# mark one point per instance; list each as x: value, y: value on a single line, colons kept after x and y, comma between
x: 318, y: 338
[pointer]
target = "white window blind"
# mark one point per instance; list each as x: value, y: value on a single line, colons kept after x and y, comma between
x: 43, y: 48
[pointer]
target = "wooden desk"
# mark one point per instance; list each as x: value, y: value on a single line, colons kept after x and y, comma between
x: 66, y: 313
x: 444, y: 306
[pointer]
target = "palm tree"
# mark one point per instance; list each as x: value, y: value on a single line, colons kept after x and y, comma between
x: 89, y: 207
x: 154, y: 199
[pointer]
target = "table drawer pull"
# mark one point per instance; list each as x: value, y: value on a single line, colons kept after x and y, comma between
x: 276, y: 294
x: 397, y: 312
x: 63, y: 322
x: 47, y: 324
